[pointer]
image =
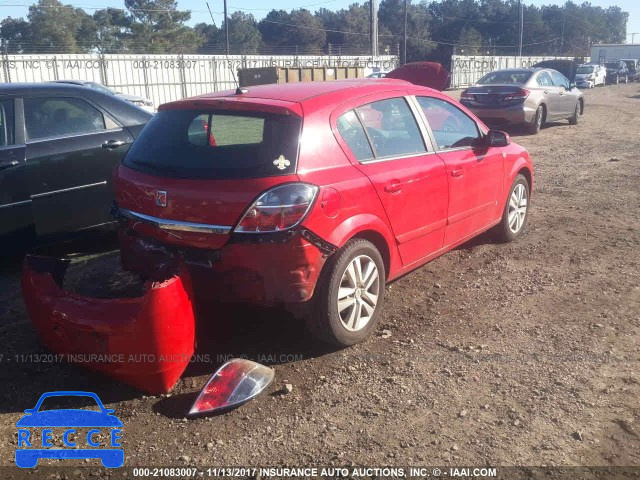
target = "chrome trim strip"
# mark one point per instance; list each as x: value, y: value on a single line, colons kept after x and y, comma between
x: 177, y: 225
x: 65, y: 190
x: 15, y: 204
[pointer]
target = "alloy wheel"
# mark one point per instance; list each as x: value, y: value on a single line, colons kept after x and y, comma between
x: 358, y: 293
x: 517, y: 208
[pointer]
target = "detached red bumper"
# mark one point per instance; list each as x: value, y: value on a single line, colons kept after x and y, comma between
x: 146, y: 342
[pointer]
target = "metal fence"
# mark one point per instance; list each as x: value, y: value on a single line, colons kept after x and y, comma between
x: 466, y: 70
x: 163, y: 78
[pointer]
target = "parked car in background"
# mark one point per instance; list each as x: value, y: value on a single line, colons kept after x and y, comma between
x: 377, y: 75
x: 633, y: 65
x: 58, y: 147
x: 567, y: 68
x: 141, y: 102
x: 425, y: 74
x: 617, y: 71
x: 317, y: 194
x: 529, y: 97
x: 590, y: 75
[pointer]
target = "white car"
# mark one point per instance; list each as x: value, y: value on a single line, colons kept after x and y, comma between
x: 141, y: 102
x: 589, y: 76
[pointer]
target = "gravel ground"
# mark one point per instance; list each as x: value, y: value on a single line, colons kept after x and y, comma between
x: 519, y: 354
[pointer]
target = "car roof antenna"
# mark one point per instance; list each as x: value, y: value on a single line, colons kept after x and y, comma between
x: 233, y: 73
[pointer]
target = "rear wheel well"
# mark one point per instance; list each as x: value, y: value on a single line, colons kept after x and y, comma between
x: 381, y: 245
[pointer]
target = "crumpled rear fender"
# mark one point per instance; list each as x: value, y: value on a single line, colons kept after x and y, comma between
x: 146, y: 342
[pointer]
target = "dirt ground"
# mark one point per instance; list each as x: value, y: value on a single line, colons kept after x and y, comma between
x: 519, y: 354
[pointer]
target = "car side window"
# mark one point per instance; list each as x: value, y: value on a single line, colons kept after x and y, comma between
x: 47, y: 117
x: 352, y: 132
x: 6, y: 123
x: 391, y: 128
x: 559, y: 80
x: 451, y: 127
x: 544, y: 80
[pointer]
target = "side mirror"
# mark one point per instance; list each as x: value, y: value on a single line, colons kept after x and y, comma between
x: 572, y: 85
x: 496, y: 138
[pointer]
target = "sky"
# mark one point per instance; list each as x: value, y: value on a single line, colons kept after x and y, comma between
x: 19, y: 8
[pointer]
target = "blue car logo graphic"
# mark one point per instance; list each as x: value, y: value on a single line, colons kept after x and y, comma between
x: 69, y: 419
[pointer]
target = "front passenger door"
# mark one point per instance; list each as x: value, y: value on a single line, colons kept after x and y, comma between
x: 474, y: 172
x: 72, y: 149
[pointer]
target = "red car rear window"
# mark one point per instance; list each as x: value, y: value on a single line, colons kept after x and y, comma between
x: 217, y: 144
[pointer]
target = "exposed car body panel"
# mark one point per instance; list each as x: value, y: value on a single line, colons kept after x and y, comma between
x: 151, y: 338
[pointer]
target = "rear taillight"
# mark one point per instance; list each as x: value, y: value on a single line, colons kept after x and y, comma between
x: 466, y: 96
x: 278, y: 209
x: 235, y: 383
x: 518, y: 95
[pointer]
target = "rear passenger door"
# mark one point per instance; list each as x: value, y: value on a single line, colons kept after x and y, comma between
x: 388, y: 145
x: 72, y: 148
x: 15, y: 204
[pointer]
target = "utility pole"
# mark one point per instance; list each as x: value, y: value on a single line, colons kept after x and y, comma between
x: 373, y: 4
x: 564, y: 19
x: 521, y: 24
x: 633, y: 36
x: 404, y: 55
x: 226, y: 27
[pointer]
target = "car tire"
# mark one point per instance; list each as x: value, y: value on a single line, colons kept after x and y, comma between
x: 576, y: 115
x: 511, y: 227
x: 536, y: 123
x: 342, y: 282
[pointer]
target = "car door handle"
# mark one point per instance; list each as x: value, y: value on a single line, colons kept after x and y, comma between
x: 457, y: 172
x: 394, y: 187
x: 112, y: 144
x: 10, y: 164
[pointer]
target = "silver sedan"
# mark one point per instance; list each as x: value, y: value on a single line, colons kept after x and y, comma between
x: 525, y: 96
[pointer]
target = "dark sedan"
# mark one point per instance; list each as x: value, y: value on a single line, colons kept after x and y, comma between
x: 58, y: 147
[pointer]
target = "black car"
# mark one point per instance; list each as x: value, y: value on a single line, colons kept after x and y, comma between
x: 617, y: 71
x: 58, y: 147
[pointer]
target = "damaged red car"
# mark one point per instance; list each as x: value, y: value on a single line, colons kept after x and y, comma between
x: 315, y: 195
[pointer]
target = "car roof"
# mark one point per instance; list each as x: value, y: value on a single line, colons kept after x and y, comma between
x: 330, y: 92
x: 44, y: 87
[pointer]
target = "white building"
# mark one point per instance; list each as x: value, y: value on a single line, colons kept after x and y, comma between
x: 605, y: 52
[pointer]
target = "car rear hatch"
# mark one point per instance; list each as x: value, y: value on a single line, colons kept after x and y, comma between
x: 198, y: 165
x: 494, y: 96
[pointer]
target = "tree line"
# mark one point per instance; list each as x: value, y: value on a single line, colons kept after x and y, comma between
x: 435, y: 29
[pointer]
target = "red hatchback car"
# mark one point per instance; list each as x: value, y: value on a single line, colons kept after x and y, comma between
x: 316, y: 193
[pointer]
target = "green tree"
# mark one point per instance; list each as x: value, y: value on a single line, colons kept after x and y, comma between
x: 58, y: 28
x: 15, y: 35
x: 244, y: 36
x: 113, y: 30
x: 210, y: 35
x: 304, y: 32
x: 272, y: 25
x: 157, y: 26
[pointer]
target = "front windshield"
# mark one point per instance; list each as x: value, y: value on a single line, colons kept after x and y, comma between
x: 584, y: 70
x: 612, y: 65
x: 505, y: 76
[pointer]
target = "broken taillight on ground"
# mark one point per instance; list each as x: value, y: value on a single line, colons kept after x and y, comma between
x: 236, y: 382
x: 146, y: 341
